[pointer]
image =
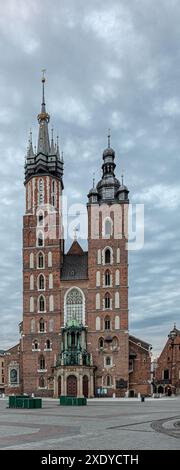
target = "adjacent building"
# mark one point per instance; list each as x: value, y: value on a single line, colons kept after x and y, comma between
x: 2, y: 371
x: 167, y: 370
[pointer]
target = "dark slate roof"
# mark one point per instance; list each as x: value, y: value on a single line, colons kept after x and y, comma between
x: 139, y: 342
x: 2, y: 352
x: 75, y: 267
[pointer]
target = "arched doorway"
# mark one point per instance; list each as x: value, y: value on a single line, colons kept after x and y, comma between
x: 131, y: 394
x: 72, y: 386
x: 59, y: 386
x: 160, y: 389
x: 85, y: 386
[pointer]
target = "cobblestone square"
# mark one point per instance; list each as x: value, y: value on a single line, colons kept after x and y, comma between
x: 102, y: 424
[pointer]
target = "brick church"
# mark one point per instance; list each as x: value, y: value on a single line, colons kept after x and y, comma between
x: 74, y: 337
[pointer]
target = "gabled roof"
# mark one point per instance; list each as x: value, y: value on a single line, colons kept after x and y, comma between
x: 75, y: 249
x: 139, y: 342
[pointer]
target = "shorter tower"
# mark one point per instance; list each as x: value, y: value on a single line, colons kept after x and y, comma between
x: 108, y: 337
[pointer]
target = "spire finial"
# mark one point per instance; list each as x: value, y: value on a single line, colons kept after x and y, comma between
x: 122, y: 177
x: 93, y: 180
x: 109, y: 138
x: 52, y: 134
x: 75, y: 230
x: 174, y: 326
x: 43, y: 79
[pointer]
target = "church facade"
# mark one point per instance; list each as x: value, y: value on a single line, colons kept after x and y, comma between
x: 74, y: 334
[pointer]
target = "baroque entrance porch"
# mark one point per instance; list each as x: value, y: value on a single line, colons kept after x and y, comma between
x: 75, y: 381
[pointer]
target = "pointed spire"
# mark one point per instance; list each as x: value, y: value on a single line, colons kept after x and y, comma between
x: 93, y: 180
x: 30, y: 151
x: 43, y: 119
x: 109, y: 138
x: 57, y: 147
x: 43, y: 105
x: 52, y: 149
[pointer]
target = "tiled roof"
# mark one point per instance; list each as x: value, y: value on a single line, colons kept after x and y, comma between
x: 75, y: 267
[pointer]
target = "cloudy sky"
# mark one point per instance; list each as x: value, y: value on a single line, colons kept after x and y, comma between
x: 109, y: 64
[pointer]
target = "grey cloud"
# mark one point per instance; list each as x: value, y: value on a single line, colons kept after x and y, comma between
x: 108, y: 65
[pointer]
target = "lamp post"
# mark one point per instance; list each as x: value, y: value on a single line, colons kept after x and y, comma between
x: 172, y: 335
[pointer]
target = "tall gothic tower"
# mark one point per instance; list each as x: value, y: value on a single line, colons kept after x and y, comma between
x: 108, y: 279
x: 43, y: 248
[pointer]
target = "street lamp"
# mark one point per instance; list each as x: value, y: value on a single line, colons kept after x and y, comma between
x: 172, y: 335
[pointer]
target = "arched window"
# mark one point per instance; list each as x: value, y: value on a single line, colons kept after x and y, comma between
x: 107, y: 323
x: 107, y: 256
x: 98, y: 323
x: 74, y: 306
x: 108, y: 381
x: 29, y: 195
x: 107, y: 278
x: 41, y: 382
x: 31, y: 261
x: 48, y: 344
x: 40, y: 239
x: 50, y: 281
x: 40, y: 262
x: 117, y: 322
x: 108, y: 361
x: 40, y: 219
x: 31, y: 307
x: 51, y: 303
x: 40, y: 191
x: 115, y: 342
x: 101, y: 343
x: 118, y: 255
x: 31, y: 282
x: 32, y: 325
x: 53, y: 193
x: 97, y: 301
x: 41, y: 325
x: 116, y: 299
x: 97, y: 278
x: 42, y: 364
x: 99, y: 256
x: 49, y: 259
x: 13, y: 376
x: 107, y: 301
x: 42, y: 306
x: 35, y: 344
x: 117, y: 277
x: 51, y: 325
x: 108, y: 227
x: 41, y: 282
